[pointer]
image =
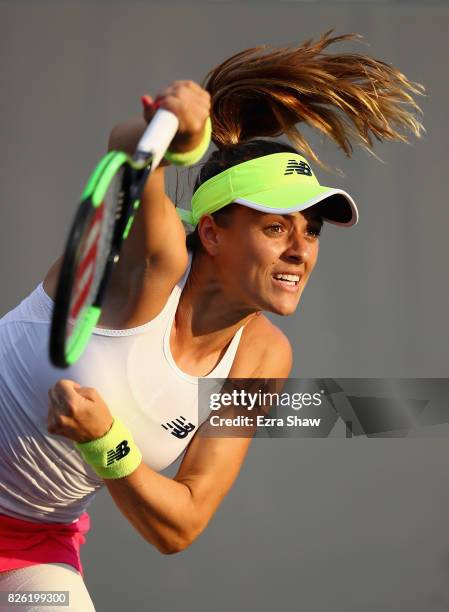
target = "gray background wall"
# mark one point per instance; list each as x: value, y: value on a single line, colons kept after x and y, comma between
x: 311, y: 524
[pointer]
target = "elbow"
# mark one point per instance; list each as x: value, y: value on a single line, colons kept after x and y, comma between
x: 113, y: 142
x: 173, y: 545
x: 171, y: 549
x: 178, y: 542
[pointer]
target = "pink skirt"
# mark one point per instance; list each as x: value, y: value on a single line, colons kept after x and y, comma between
x: 24, y: 543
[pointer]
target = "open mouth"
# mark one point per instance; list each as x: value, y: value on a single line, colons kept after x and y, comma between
x: 288, y: 282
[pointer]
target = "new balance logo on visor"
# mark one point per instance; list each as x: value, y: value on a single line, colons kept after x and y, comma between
x: 179, y: 427
x: 298, y: 167
x: 117, y: 453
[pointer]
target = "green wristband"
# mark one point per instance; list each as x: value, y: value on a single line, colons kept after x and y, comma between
x: 114, y: 455
x: 191, y: 157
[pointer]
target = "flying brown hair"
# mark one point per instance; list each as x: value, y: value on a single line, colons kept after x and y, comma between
x: 351, y: 98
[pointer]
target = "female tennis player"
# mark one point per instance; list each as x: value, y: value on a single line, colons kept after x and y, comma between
x: 178, y: 310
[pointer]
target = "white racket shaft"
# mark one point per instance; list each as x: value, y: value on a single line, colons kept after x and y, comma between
x: 157, y: 137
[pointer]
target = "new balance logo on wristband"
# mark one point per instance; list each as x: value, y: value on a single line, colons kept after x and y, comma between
x: 179, y: 427
x: 298, y: 167
x: 117, y: 453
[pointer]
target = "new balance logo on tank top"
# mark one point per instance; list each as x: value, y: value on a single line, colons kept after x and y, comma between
x: 179, y: 428
x: 42, y: 477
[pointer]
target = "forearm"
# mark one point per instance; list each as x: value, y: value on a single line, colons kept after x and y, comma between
x: 161, y: 509
x: 125, y: 137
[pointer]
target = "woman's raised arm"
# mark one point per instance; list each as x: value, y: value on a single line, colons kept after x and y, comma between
x: 158, y: 236
x: 155, y: 247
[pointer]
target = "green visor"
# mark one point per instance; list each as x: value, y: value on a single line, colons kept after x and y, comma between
x: 280, y: 183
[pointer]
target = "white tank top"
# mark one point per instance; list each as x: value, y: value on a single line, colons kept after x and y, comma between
x: 42, y: 476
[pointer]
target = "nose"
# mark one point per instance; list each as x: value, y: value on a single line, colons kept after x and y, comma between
x: 299, y: 249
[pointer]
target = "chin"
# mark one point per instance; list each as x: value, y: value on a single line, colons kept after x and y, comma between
x: 284, y: 310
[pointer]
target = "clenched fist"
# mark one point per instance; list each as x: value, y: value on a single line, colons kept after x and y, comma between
x: 190, y: 103
x: 77, y: 413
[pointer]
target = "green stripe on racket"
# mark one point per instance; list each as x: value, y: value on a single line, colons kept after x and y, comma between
x: 103, y: 220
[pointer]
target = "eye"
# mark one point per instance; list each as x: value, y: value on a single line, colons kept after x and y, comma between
x: 314, y: 232
x: 275, y: 228
x: 314, y: 228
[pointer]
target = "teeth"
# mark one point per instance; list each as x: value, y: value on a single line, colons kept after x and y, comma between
x: 289, y: 277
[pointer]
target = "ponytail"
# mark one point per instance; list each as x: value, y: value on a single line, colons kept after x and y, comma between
x: 264, y: 92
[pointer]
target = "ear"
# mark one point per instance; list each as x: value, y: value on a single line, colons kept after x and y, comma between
x: 211, y: 234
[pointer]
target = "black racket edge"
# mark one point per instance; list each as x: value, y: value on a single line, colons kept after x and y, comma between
x: 63, y: 292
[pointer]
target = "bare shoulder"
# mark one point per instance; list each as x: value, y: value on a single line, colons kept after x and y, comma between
x: 51, y: 279
x: 264, y: 351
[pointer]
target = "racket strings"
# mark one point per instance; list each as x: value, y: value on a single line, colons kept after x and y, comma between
x: 94, y: 252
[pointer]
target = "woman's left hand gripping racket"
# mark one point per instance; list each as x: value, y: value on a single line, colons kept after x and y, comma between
x: 103, y: 220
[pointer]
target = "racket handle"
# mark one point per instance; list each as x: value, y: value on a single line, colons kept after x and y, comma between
x: 157, y: 137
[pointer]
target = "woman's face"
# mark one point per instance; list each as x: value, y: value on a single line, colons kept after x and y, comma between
x: 258, y: 247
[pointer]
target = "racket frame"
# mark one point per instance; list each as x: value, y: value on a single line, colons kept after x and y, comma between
x: 63, y: 352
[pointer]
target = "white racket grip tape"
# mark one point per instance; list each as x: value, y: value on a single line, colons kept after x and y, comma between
x: 158, y: 136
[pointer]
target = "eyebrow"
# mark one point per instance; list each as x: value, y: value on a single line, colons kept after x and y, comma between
x: 292, y: 217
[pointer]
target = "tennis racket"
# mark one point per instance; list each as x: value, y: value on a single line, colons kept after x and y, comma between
x: 102, y: 222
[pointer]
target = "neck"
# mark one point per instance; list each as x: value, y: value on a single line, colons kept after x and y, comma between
x: 206, y: 317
